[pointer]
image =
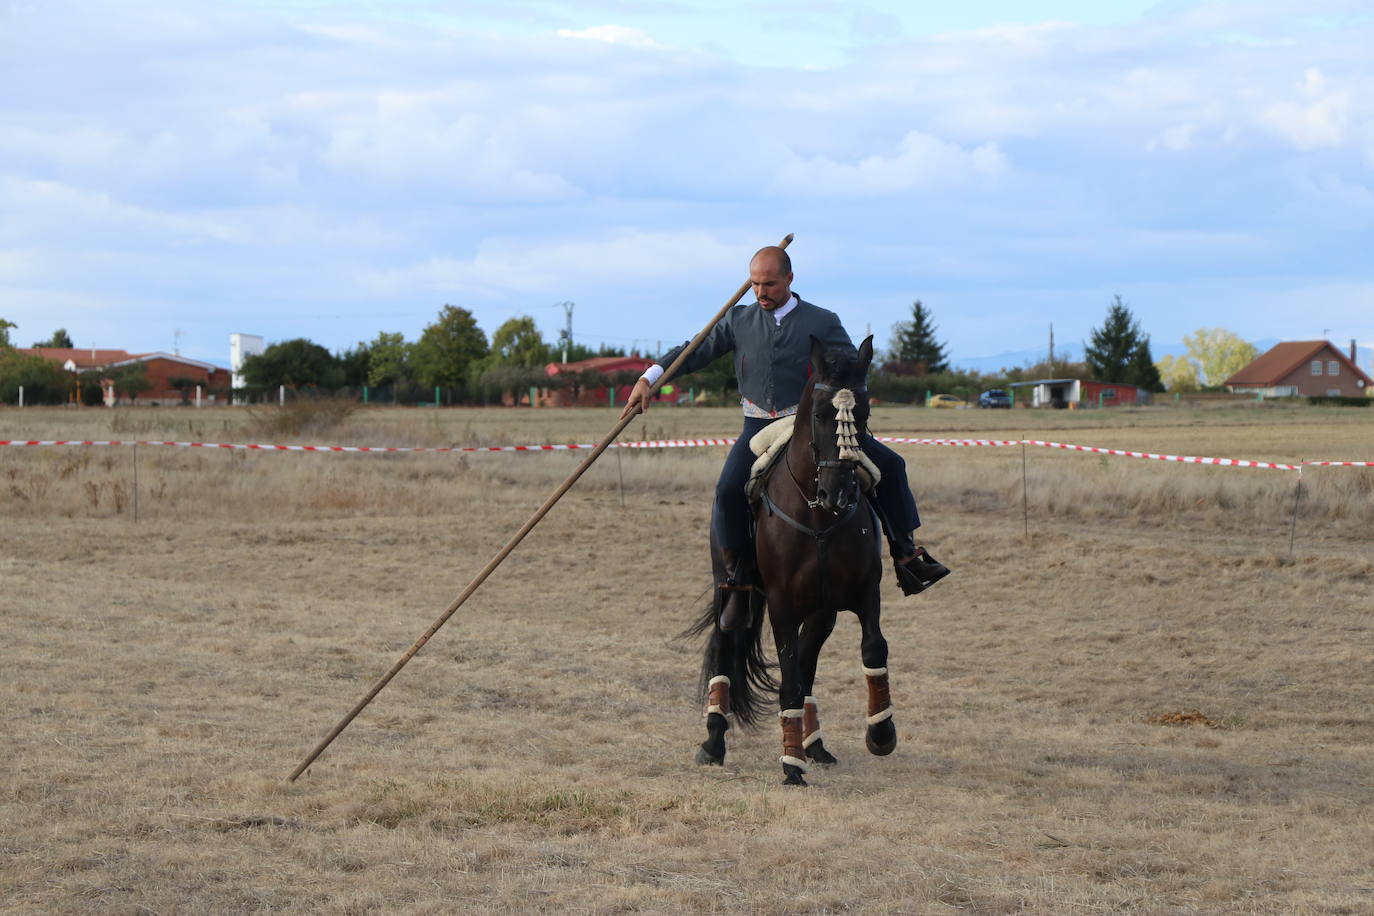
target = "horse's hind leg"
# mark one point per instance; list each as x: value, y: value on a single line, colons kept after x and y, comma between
x: 814, y: 632
x: 881, y: 736
x: 718, y: 660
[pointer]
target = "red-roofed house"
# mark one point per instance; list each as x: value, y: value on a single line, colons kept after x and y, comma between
x: 160, y: 370
x: 1306, y: 368
x: 583, y: 395
x: 78, y: 359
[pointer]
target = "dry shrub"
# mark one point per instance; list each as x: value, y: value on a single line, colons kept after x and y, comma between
x: 1185, y: 717
x: 308, y: 415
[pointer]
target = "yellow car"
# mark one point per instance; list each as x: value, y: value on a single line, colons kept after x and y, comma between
x: 945, y: 400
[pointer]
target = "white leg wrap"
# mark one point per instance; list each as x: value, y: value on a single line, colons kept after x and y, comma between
x: 791, y: 713
x: 717, y: 710
x: 880, y: 716
x: 812, y: 738
x: 874, y: 672
x: 794, y: 761
x: 718, y: 679
x: 811, y: 701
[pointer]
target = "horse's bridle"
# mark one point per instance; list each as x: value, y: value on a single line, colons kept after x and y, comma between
x: 841, y: 464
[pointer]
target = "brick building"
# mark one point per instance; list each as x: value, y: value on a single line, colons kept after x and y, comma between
x: 594, y: 395
x: 1303, y: 368
x: 160, y: 369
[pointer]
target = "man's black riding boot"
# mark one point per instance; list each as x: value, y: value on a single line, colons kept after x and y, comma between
x: 916, y: 569
x: 735, y: 590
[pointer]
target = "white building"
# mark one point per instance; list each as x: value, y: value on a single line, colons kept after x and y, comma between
x: 242, y: 346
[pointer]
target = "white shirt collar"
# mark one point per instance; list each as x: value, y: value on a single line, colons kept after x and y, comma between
x: 781, y: 311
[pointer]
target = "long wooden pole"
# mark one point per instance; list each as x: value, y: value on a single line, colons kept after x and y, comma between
x: 519, y: 535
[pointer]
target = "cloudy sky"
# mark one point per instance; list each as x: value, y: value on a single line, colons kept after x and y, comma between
x: 334, y: 169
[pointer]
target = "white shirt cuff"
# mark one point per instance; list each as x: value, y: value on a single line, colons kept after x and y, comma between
x: 653, y: 374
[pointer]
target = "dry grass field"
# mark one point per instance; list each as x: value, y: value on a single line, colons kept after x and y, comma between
x: 1145, y: 706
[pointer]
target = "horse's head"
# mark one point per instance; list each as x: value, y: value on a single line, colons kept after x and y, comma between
x: 839, y: 415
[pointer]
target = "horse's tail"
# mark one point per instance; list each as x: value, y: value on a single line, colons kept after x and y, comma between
x: 739, y: 656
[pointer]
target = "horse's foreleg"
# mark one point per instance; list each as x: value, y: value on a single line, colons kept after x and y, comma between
x: 881, y: 736
x: 814, y: 632
x: 790, y: 701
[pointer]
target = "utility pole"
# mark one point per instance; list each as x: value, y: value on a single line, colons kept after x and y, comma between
x: 1051, y: 348
x: 176, y: 342
x: 566, y: 334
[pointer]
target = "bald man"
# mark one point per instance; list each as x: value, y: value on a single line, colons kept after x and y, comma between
x: 771, y: 340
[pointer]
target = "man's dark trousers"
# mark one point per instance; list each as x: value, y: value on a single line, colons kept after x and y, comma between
x: 730, y: 513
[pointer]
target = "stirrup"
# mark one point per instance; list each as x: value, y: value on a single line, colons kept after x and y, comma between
x: 918, y: 572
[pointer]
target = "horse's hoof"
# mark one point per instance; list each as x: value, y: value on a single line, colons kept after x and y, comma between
x: 706, y: 758
x: 881, y: 738
x: 817, y: 754
x: 792, y: 775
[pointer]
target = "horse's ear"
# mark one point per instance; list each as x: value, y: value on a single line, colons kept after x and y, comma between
x: 817, y: 357
x: 865, y: 356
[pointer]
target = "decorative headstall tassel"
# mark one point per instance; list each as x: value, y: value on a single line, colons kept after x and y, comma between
x: 811, y: 723
x: 792, y: 750
x: 846, y: 433
x: 879, y: 698
x: 718, y: 695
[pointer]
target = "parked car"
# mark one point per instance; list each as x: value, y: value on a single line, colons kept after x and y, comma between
x: 994, y: 397
x: 945, y: 400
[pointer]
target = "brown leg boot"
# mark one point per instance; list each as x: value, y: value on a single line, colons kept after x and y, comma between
x: 735, y: 592
x: 916, y: 569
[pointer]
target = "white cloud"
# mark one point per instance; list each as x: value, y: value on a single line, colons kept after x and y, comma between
x: 337, y: 154
x: 625, y: 258
x: 920, y: 162
x: 1320, y: 121
x: 616, y: 35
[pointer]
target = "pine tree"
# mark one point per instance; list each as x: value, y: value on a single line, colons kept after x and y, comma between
x: 1119, y: 352
x: 1143, y: 373
x: 914, y: 344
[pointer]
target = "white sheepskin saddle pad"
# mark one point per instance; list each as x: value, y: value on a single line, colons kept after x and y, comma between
x: 770, y: 442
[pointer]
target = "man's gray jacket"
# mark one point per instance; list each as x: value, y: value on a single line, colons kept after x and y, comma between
x: 771, y: 360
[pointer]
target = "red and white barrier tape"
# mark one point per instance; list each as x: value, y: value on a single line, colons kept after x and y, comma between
x: 1184, y: 459
x: 696, y: 443
x: 958, y: 443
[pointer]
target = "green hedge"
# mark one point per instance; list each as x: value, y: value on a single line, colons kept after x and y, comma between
x: 1328, y: 400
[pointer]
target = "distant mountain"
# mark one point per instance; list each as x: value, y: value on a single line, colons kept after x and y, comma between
x: 1011, y: 359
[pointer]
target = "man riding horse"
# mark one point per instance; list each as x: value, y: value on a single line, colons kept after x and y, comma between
x: 771, y: 341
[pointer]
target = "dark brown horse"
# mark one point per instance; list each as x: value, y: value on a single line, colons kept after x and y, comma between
x: 819, y: 552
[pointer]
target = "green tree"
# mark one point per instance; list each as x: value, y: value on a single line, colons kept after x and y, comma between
x: 389, y: 361
x: 298, y: 363
x: 1218, y: 354
x: 131, y: 380
x: 5, y: 333
x: 43, y: 381
x: 578, y: 352
x: 517, y: 342
x: 355, y: 363
x: 914, y: 350
x: 60, y: 338
x: 90, y: 387
x: 184, y: 385
x: 448, y: 348
x: 1142, y: 372
x: 1119, y: 352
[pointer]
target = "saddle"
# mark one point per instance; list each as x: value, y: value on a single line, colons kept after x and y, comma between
x: 770, y: 443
